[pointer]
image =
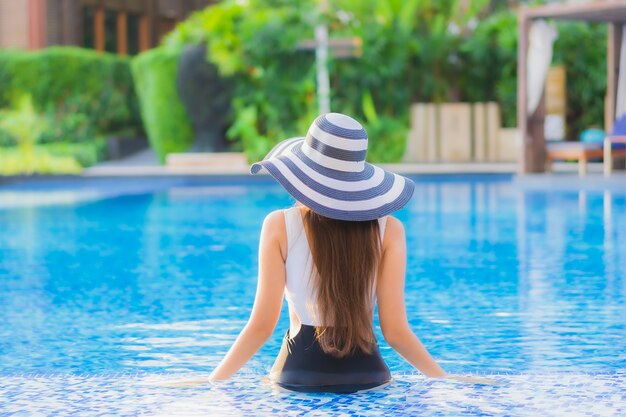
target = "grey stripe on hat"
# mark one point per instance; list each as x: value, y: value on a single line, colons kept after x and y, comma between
x: 333, y: 129
x: 336, y: 153
x: 383, y: 187
x: 357, y: 215
x: 367, y: 172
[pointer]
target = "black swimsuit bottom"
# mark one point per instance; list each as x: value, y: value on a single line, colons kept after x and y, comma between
x: 307, y: 368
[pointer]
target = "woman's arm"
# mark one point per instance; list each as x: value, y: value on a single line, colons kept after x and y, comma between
x: 268, y: 300
x: 391, y: 308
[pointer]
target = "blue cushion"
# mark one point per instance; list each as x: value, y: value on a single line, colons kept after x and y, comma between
x: 592, y: 136
x: 619, y: 127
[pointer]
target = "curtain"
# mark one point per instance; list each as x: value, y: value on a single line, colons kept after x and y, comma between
x: 540, y: 41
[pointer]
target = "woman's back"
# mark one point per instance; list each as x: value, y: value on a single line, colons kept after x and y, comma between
x: 300, y: 289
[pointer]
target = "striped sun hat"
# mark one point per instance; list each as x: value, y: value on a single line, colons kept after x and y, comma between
x: 326, y: 171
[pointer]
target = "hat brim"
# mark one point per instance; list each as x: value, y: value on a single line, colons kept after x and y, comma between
x: 354, y: 196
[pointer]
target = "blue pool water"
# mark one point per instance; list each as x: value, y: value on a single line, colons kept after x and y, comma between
x: 134, y: 284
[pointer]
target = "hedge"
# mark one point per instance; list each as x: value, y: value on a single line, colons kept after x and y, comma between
x: 69, y: 80
x: 165, y: 119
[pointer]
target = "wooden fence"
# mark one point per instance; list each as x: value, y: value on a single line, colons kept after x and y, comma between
x: 459, y: 132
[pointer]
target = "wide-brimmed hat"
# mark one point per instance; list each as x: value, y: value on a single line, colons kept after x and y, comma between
x: 326, y: 171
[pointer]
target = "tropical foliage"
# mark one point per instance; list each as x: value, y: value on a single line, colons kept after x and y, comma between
x: 412, y: 51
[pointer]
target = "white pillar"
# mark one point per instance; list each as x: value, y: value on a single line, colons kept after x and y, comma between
x: 321, y: 61
x: 620, y: 105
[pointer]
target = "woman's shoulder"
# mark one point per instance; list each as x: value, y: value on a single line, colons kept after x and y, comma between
x: 394, y: 226
x: 274, y: 230
x: 394, y: 232
x: 275, y: 219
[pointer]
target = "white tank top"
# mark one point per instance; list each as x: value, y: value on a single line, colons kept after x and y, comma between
x: 300, y: 290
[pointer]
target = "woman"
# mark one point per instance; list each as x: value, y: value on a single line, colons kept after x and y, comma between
x: 334, y: 256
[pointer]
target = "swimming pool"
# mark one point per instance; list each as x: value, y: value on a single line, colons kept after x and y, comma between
x: 110, y: 290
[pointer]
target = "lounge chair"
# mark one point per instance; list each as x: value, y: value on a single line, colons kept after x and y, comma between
x: 614, y: 146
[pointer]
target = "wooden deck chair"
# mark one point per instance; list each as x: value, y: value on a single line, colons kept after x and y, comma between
x: 577, y: 151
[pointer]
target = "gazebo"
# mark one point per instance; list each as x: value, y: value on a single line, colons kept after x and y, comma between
x: 613, y: 12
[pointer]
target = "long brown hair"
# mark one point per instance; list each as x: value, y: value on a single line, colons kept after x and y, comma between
x: 346, y: 255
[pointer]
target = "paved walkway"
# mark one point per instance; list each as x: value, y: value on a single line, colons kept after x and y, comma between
x: 145, y: 163
x: 152, y: 170
x: 145, y: 157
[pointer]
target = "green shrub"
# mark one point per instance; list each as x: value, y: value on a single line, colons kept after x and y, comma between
x: 68, y: 128
x: 15, y: 162
x: 387, y: 135
x: 6, y: 138
x: 23, y: 123
x: 68, y: 80
x: 85, y: 154
x: 165, y: 119
x: 22, y: 154
x: 57, y: 158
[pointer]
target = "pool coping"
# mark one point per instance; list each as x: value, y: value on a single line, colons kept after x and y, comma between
x: 565, y: 177
x: 243, y: 170
x: 570, y: 182
x: 401, y: 168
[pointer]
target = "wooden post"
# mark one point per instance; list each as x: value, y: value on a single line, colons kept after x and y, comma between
x: 144, y: 33
x: 614, y: 46
x: 522, y: 119
x: 98, y: 29
x: 432, y: 132
x: 479, y: 132
x: 416, y: 148
x: 455, y: 133
x: 533, y: 157
x: 611, y: 84
x: 536, y: 154
x: 152, y: 17
x: 492, y: 131
x: 37, y: 24
x: 122, y: 33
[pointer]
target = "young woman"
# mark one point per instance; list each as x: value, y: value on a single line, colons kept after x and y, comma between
x: 334, y: 256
